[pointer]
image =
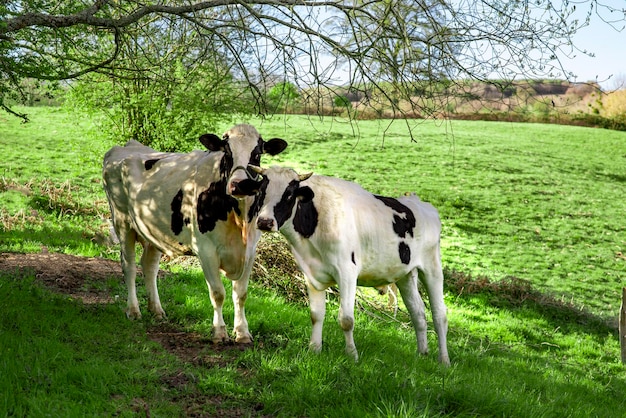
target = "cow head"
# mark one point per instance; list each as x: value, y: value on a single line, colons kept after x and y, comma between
x: 277, y: 194
x: 242, y: 146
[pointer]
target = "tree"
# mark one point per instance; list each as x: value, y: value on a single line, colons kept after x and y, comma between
x: 167, y: 88
x: 307, y: 40
x: 283, y: 96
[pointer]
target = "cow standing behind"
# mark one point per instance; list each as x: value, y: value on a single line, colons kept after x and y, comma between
x: 183, y: 204
x: 340, y: 233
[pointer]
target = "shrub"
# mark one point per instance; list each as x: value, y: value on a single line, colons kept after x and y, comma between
x: 166, y: 113
x: 283, y: 97
x: 615, y: 104
x: 341, y: 101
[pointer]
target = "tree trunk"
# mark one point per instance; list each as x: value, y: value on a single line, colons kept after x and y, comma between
x: 622, y: 326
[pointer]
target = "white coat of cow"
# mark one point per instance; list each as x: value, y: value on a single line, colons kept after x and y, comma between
x: 184, y: 204
x: 342, y: 234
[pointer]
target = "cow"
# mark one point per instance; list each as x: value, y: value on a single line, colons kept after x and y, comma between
x: 341, y: 234
x: 188, y: 204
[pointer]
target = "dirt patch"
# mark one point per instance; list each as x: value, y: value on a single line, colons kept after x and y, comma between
x: 75, y: 276
x: 85, y: 279
x: 193, y: 347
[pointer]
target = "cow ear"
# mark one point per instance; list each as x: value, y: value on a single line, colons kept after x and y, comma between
x: 248, y: 187
x: 305, y: 193
x: 274, y: 146
x: 212, y: 142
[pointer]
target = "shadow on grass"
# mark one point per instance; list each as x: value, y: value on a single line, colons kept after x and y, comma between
x: 58, y: 239
x: 518, y: 294
x: 275, y: 269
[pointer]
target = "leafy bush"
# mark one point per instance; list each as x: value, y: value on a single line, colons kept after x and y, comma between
x: 165, y: 113
x: 341, y: 101
x: 283, y: 97
x: 597, y: 121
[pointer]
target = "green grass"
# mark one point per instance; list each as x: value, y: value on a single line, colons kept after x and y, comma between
x: 534, y: 202
x: 51, y: 194
x: 538, y: 202
x: 61, y: 358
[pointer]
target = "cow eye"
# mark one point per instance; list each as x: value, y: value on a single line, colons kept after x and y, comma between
x: 255, y: 159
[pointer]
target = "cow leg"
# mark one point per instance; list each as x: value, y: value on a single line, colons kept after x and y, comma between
x: 432, y: 278
x: 129, y: 268
x: 217, y: 294
x: 347, y: 294
x: 150, y: 265
x: 417, y: 310
x: 240, y: 294
x: 317, y: 304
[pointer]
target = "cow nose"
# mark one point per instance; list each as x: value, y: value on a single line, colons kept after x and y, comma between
x: 265, y: 224
x: 233, y: 186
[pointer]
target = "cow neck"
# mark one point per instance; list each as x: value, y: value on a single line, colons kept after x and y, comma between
x: 241, y: 220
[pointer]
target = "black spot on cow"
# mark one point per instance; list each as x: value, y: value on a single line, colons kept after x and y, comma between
x: 284, y: 208
x: 177, y: 215
x: 255, y: 156
x: 259, y: 198
x: 215, y: 205
x: 150, y: 163
x: 405, y: 253
x: 353, y: 260
x: 305, y: 219
x: 226, y: 164
x: 401, y: 225
x: 306, y: 216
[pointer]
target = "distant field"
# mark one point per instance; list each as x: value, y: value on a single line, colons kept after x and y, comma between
x: 541, y: 203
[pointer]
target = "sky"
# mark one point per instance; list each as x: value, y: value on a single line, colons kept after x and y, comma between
x: 605, y: 41
x: 609, y: 46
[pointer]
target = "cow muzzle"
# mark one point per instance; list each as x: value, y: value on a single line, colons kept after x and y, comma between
x: 237, y: 180
x: 266, y: 224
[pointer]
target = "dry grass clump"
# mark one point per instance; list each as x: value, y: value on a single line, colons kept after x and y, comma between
x: 62, y: 200
x: 276, y: 269
x: 511, y: 289
x: 11, y: 221
x: 52, y: 197
x: 515, y: 292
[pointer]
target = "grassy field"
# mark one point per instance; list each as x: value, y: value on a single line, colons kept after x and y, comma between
x: 537, y: 202
x: 519, y: 202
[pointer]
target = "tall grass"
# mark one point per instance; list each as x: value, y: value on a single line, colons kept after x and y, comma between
x: 519, y: 202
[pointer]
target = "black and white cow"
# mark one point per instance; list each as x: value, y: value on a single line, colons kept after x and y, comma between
x: 181, y: 204
x: 341, y: 234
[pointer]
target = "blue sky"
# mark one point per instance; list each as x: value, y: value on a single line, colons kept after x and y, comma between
x: 605, y: 41
x: 609, y: 47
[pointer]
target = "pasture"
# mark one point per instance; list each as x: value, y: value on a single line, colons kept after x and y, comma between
x: 533, y: 244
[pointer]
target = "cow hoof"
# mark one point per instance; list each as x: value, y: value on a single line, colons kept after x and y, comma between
x: 220, y: 340
x: 220, y: 335
x: 353, y: 353
x: 133, y: 313
x: 157, y: 311
x: 159, y: 315
x: 244, y: 338
x: 315, y: 348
